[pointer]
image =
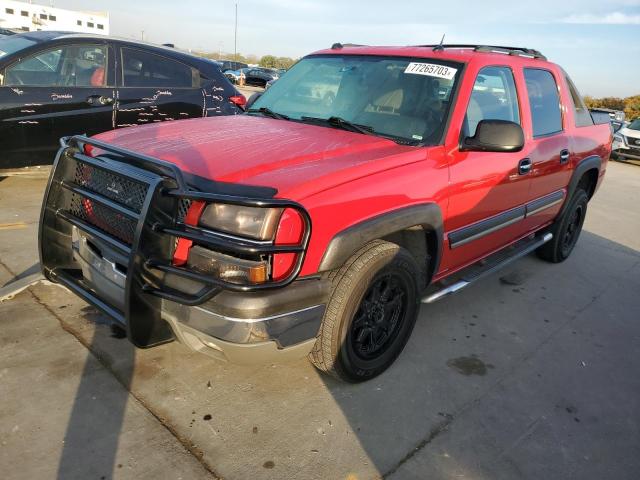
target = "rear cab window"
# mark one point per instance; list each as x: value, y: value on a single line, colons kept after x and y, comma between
x: 581, y: 115
x: 544, y: 102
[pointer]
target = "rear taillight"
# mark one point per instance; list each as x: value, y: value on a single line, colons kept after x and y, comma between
x: 238, y: 100
x: 290, y: 232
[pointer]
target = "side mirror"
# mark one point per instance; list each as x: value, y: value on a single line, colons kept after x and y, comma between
x: 495, y: 136
x: 252, y: 100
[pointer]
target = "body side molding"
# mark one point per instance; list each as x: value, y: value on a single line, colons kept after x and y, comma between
x: 348, y: 241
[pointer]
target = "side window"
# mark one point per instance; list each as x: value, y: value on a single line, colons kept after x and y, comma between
x: 72, y: 66
x: 142, y: 69
x: 494, y: 97
x: 580, y: 111
x: 544, y: 101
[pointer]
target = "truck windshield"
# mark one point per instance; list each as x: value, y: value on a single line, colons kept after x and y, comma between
x: 404, y: 99
x: 12, y: 44
x: 635, y: 125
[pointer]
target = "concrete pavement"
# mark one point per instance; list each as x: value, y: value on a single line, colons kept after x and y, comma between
x: 529, y: 374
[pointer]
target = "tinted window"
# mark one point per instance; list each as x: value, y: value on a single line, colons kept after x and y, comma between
x: 142, y: 69
x: 544, y: 101
x: 581, y: 113
x: 9, y: 11
x: 72, y: 66
x: 13, y: 44
x: 494, y: 97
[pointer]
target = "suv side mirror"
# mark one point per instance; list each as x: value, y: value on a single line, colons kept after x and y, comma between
x: 252, y: 100
x: 495, y: 136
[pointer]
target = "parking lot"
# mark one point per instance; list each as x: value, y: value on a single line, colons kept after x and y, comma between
x: 529, y: 374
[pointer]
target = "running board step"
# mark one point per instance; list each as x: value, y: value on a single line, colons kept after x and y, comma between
x: 489, y: 265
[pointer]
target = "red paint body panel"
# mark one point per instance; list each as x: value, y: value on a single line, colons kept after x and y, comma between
x: 344, y: 178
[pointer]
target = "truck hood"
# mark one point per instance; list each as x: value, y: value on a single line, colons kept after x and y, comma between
x: 297, y: 159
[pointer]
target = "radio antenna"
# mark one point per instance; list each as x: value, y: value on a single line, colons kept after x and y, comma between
x: 440, y: 46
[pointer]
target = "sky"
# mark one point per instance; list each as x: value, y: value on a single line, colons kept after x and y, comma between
x: 597, y: 42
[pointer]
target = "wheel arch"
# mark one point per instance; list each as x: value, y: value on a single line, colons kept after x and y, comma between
x: 418, y: 228
x: 585, y: 174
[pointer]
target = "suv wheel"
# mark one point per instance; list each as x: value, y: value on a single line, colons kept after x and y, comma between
x: 370, y: 314
x: 566, y: 230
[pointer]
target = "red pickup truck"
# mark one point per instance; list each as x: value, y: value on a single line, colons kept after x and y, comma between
x: 365, y: 181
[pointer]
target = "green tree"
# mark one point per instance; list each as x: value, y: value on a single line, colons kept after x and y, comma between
x: 632, y: 107
x: 268, y: 61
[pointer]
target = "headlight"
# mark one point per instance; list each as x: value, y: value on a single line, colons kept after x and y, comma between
x: 618, y: 138
x: 254, y: 222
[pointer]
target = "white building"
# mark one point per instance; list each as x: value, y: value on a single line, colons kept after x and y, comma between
x: 30, y: 17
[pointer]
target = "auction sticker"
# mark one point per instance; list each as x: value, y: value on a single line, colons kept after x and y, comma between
x: 431, y: 70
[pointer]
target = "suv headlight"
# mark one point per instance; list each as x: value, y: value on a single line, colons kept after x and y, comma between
x: 253, y: 222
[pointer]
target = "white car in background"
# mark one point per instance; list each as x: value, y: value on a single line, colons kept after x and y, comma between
x: 626, y: 142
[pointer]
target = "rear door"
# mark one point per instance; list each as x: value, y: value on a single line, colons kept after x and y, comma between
x: 156, y: 88
x: 550, y: 149
x: 63, y: 90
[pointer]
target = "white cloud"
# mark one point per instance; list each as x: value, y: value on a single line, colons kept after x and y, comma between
x: 615, y: 18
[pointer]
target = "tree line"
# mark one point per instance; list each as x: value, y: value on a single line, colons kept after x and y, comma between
x: 267, y: 61
x: 630, y: 105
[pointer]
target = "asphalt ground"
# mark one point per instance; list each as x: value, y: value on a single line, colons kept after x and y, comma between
x: 531, y: 374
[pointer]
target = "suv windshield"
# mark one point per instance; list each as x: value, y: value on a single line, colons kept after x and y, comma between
x: 14, y: 43
x: 401, y: 98
x: 635, y: 125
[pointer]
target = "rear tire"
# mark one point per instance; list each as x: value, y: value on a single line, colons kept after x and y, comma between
x: 566, y: 230
x: 370, y: 314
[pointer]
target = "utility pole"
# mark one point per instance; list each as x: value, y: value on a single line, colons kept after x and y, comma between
x: 142, y: 35
x: 235, y: 37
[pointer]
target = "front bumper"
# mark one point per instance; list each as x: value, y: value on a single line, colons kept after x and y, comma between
x: 628, y: 153
x: 112, y: 243
x: 244, y: 328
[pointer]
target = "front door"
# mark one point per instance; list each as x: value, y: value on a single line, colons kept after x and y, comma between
x: 154, y: 88
x: 54, y: 93
x: 488, y: 190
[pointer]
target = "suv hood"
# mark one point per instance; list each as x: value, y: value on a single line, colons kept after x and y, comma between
x: 295, y: 158
x: 627, y: 132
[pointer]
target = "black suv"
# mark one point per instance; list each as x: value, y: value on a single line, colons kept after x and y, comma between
x: 54, y: 84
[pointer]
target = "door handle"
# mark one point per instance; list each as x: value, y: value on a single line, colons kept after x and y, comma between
x: 99, y: 100
x: 524, y: 166
x: 564, y: 156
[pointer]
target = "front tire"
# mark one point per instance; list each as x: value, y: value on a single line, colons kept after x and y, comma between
x: 566, y: 230
x: 370, y: 314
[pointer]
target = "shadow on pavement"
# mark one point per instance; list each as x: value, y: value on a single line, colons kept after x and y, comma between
x: 519, y: 376
x: 524, y: 375
x: 95, y: 424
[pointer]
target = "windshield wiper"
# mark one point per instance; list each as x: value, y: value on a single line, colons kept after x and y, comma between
x: 268, y: 112
x: 340, y: 122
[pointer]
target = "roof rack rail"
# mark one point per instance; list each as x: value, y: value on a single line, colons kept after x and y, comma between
x: 338, y: 45
x: 524, y: 52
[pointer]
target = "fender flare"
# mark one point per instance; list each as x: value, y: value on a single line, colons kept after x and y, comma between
x: 593, y: 162
x: 348, y: 241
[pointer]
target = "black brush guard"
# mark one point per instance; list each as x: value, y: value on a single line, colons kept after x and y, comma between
x: 134, y: 204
